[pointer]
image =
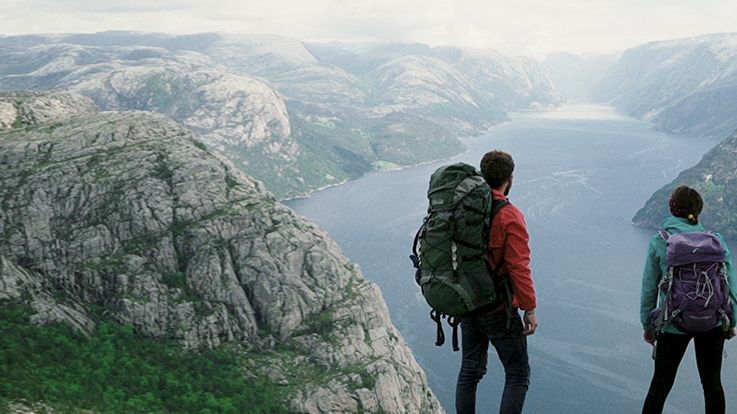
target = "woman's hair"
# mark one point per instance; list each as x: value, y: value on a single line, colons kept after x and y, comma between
x: 685, y: 202
x: 496, y: 167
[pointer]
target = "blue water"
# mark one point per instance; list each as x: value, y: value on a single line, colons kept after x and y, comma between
x: 582, y: 173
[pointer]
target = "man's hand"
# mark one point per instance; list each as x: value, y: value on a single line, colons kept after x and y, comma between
x: 649, y: 336
x: 530, y: 321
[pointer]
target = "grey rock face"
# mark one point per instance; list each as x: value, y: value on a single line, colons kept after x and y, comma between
x: 25, y: 408
x: 227, y: 109
x: 126, y: 216
x: 8, y: 115
x: 20, y: 109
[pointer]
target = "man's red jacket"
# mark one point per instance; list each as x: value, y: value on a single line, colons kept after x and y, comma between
x: 510, y: 242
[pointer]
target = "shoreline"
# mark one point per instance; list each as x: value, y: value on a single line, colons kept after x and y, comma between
x: 400, y: 168
x: 462, y: 139
x: 307, y: 195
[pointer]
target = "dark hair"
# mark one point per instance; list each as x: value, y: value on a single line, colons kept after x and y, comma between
x: 496, y: 167
x: 685, y: 202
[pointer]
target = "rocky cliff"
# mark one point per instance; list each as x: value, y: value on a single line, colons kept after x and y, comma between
x: 125, y: 216
x: 715, y: 177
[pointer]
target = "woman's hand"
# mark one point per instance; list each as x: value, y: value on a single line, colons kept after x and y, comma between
x: 731, y: 333
x: 649, y: 336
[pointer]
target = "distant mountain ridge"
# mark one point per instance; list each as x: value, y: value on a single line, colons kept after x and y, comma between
x: 684, y: 86
x: 296, y: 116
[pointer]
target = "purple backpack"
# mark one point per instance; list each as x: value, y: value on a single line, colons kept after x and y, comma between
x: 696, y: 288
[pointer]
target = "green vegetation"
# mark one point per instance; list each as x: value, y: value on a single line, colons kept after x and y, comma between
x: 709, y: 189
x: 162, y: 170
x: 17, y: 123
x: 368, y: 381
x: 199, y: 144
x: 385, y: 165
x: 292, y: 360
x: 175, y: 280
x: 322, y: 324
x: 116, y: 371
x: 53, y: 126
x: 230, y: 182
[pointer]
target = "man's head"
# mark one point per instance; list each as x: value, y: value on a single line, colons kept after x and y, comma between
x: 685, y: 202
x: 497, y: 168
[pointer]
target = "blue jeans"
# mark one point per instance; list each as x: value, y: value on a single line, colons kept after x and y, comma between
x: 510, y: 345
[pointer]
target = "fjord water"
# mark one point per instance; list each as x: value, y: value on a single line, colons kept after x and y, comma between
x: 582, y: 173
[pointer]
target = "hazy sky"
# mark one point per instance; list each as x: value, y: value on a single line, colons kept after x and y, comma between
x: 528, y: 27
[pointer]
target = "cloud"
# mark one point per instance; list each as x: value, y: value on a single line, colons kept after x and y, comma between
x: 531, y: 27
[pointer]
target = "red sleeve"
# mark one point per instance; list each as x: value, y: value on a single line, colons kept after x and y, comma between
x: 516, y: 256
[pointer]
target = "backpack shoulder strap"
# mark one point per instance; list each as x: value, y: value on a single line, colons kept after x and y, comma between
x: 497, y: 204
x: 664, y: 234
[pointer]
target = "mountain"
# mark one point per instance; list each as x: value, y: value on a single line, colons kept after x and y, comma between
x: 124, y: 219
x: 296, y: 116
x: 684, y: 86
x: 715, y: 177
x: 231, y: 112
x: 409, y: 101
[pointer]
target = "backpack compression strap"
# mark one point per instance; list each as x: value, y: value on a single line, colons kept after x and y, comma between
x: 415, y: 256
x: 437, y: 317
x: 454, y: 322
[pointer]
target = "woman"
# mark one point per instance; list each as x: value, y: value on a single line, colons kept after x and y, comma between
x: 685, y: 207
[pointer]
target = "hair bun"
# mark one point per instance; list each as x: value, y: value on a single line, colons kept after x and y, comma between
x: 687, y: 203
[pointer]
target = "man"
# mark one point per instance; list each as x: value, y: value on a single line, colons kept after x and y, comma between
x: 507, y: 332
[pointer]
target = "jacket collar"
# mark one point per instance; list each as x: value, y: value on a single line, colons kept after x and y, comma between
x: 499, y: 195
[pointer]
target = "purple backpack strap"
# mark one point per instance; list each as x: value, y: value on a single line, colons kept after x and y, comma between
x: 664, y: 234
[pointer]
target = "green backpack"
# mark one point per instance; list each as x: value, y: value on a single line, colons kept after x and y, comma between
x: 451, y: 248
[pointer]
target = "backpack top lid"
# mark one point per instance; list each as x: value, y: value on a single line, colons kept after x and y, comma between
x: 451, y: 183
x: 695, y: 247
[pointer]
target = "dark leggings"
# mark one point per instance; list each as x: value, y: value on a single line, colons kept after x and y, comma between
x: 670, y: 349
